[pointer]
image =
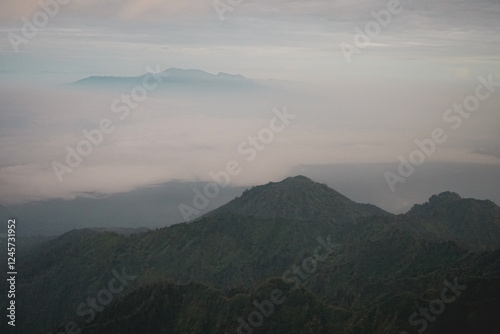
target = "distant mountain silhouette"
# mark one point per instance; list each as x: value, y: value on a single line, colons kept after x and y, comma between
x: 175, y: 79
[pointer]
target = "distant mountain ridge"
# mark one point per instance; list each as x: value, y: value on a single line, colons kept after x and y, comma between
x: 176, y: 78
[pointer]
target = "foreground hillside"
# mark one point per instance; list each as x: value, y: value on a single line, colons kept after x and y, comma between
x: 342, y: 267
x: 170, y: 308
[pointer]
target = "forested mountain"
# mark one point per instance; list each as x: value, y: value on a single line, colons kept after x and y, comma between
x: 298, y: 198
x: 329, y: 264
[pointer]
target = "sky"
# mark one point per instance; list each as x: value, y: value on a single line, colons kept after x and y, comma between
x: 357, y: 99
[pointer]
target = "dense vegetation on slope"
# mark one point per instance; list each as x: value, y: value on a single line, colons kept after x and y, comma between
x: 196, y: 308
x: 174, y: 309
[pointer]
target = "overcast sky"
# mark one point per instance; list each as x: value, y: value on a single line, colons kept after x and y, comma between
x: 370, y: 110
x: 278, y: 39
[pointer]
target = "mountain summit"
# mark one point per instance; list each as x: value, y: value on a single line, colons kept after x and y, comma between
x: 298, y: 198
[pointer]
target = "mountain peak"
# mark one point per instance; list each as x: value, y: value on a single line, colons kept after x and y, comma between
x: 436, y: 203
x: 299, y: 178
x: 446, y: 196
x: 467, y: 220
x: 297, y: 198
x: 175, y: 71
